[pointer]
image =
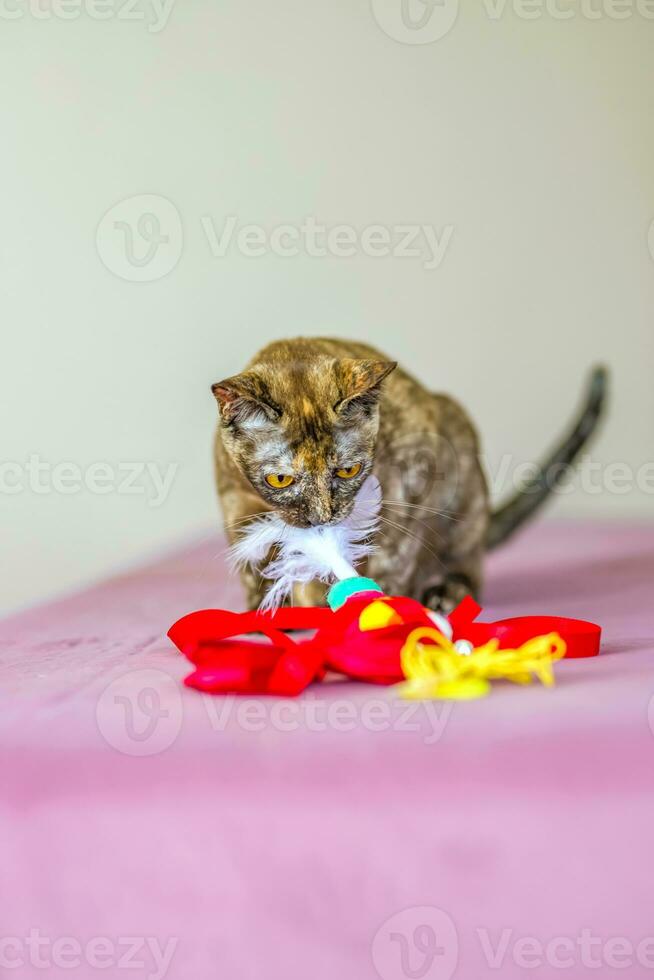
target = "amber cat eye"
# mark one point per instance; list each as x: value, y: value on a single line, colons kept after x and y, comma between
x: 348, y: 472
x: 279, y: 480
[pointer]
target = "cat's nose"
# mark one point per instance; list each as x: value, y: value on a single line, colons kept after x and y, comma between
x: 320, y: 515
x: 319, y: 510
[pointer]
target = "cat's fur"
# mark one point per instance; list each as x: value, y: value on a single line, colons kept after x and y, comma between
x: 307, y: 407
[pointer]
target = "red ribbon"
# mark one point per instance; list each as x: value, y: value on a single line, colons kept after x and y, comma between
x: 228, y: 660
x: 582, y: 639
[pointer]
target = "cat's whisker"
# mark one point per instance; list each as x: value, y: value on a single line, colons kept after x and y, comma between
x: 448, y: 515
x: 429, y: 527
x: 249, y: 517
x: 414, y: 537
x: 238, y: 525
x: 245, y: 520
x: 407, y: 503
x: 410, y: 534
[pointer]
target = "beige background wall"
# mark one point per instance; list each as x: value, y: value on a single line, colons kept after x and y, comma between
x: 527, y: 145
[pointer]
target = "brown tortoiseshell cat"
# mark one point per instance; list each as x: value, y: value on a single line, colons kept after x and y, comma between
x: 302, y: 427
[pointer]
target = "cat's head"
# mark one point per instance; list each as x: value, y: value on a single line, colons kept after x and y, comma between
x: 303, y: 433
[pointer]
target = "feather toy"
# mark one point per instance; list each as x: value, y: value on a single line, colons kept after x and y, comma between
x: 328, y: 552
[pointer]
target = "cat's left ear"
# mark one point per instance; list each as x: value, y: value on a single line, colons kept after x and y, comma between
x: 244, y: 399
x: 360, y: 381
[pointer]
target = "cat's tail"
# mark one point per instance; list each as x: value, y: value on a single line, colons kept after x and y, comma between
x: 513, y: 514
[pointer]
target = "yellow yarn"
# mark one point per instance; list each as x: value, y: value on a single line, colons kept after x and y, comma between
x: 438, y: 670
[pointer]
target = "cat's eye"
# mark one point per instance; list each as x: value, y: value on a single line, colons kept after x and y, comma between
x: 279, y: 481
x: 349, y: 472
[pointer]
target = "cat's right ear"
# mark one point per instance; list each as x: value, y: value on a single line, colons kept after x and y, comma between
x: 360, y: 383
x: 244, y: 399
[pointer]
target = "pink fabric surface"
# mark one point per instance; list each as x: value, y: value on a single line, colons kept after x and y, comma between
x: 343, y: 834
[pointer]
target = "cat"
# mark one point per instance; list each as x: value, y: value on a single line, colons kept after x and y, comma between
x: 309, y: 419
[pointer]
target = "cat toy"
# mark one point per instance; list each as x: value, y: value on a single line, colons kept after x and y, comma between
x: 362, y: 633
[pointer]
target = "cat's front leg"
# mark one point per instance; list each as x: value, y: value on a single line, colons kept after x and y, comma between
x: 239, y: 510
x: 310, y: 594
x: 254, y: 586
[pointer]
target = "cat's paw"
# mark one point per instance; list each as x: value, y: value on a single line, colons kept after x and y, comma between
x: 444, y: 596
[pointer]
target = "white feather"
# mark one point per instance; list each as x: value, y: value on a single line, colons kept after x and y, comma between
x: 327, y: 553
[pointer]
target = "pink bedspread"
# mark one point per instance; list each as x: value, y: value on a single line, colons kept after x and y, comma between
x: 340, y: 835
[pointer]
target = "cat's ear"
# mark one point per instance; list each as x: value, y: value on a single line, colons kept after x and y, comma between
x: 360, y: 382
x: 244, y: 399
